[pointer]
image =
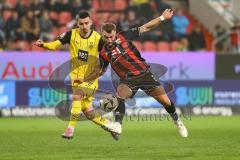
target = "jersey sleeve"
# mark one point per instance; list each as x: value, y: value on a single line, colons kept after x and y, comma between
x: 131, y: 34
x: 65, y: 37
x: 100, y: 44
x: 103, y: 61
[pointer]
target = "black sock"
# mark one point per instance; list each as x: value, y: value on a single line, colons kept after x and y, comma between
x: 172, y: 111
x: 120, y: 111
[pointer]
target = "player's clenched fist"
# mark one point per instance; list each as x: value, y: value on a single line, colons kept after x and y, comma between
x: 39, y: 43
x: 167, y: 14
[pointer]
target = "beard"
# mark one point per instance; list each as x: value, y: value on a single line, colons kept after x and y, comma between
x: 111, y: 45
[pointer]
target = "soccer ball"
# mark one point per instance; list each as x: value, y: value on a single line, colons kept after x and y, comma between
x: 108, y: 102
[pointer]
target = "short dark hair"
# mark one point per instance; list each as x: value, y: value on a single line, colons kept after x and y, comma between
x: 83, y: 14
x: 108, y: 27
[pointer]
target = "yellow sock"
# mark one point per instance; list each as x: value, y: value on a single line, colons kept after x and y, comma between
x: 75, y: 112
x: 100, y: 120
x: 86, y: 105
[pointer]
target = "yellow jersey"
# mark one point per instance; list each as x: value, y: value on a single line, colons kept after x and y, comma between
x: 83, y: 51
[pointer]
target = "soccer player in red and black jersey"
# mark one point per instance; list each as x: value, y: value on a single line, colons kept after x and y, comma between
x: 134, y: 72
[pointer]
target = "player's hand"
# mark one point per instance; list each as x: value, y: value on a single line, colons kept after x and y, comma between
x: 39, y: 43
x: 167, y: 14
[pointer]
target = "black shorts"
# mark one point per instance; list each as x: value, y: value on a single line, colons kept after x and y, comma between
x: 145, y: 82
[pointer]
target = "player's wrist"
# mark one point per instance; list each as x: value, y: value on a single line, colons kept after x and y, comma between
x: 162, y: 18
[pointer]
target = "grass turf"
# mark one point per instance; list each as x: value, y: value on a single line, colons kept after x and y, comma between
x: 212, y: 138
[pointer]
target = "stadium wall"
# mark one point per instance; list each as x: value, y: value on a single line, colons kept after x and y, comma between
x: 200, y: 83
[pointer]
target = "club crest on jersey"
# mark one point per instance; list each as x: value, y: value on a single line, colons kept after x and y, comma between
x: 90, y: 45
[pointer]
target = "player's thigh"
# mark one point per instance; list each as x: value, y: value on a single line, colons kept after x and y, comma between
x: 83, y: 90
x: 88, y: 88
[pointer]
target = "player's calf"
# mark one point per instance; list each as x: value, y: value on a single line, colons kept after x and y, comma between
x: 160, y: 95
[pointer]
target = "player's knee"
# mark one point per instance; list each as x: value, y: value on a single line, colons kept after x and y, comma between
x: 77, y: 97
x: 124, y: 92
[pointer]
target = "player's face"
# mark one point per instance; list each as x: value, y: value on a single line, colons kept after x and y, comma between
x: 84, y: 24
x: 109, y: 38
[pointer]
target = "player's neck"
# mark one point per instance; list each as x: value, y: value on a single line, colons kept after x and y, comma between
x: 86, y: 35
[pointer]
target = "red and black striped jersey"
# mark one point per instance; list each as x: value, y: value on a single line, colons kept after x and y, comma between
x: 124, y: 57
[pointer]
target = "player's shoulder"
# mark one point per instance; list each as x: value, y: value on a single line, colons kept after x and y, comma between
x: 95, y: 33
x: 73, y: 30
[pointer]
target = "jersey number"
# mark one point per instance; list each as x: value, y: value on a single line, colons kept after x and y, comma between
x: 83, y: 55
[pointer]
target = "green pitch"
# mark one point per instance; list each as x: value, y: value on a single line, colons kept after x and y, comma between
x: 211, y: 138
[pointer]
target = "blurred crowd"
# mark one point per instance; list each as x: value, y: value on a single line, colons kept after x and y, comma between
x: 24, y: 21
x: 228, y: 40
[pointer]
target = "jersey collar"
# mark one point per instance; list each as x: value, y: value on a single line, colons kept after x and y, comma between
x: 87, y: 36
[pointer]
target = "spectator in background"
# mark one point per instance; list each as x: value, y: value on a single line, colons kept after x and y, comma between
x: 167, y: 26
x: 131, y: 6
x: 79, y: 5
x: 161, y: 5
x: 30, y: 26
x: 130, y: 21
x: 86, y: 4
x: 46, y: 27
x: 167, y: 31
x: 2, y: 28
x: 183, y: 45
x: 13, y: 28
x: 21, y: 8
x: 144, y: 9
x: 47, y: 4
x: 37, y: 7
x: 155, y: 35
x: 56, y: 5
x: 235, y: 37
x: 1, y: 45
x: 180, y: 24
x: 1, y: 6
x: 221, y: 38
x: 196, y: 39
x: 62, y: 6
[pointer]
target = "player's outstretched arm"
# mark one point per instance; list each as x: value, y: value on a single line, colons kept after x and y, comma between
x: 50, y: 45
x: 167, y: 14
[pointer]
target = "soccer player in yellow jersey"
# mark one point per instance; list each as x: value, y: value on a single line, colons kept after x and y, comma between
x: 84, y: 44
